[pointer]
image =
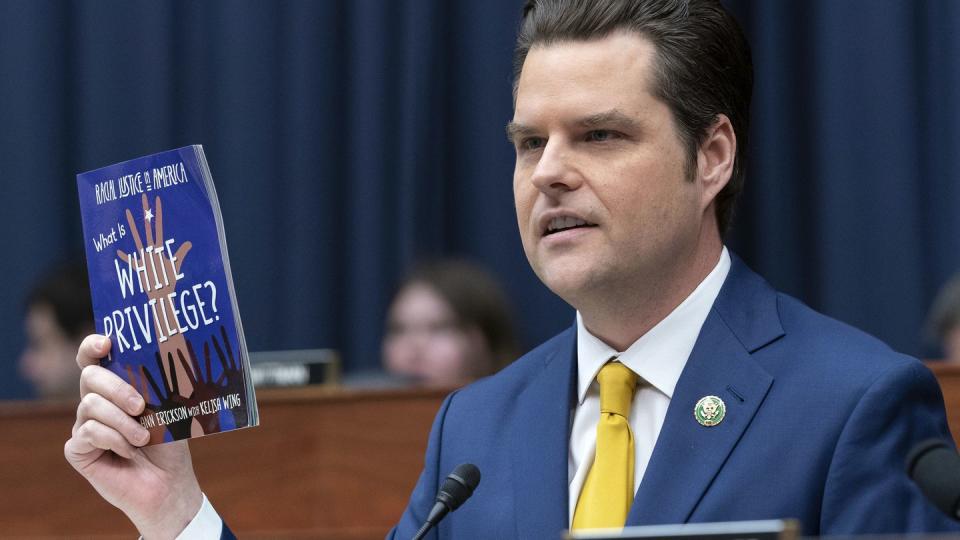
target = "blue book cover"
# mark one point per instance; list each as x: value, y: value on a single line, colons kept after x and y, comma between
x: 163, y: 292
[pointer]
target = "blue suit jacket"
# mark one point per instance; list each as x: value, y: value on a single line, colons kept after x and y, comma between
x: 819, y: 419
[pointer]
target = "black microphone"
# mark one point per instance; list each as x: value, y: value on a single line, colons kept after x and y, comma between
x: 456, y: 488
x: 935, y: 467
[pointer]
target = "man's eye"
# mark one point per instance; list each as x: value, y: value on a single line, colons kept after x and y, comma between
x: 532, y: 143
x: 601, y: 135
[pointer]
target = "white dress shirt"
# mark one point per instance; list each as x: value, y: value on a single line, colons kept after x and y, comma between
x: 658, y: 357
x: 206, y: 525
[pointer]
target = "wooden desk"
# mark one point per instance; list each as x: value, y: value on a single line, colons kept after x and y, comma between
x: 324, y: 463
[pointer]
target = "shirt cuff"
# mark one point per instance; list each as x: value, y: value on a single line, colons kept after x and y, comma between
x: 205, y: 525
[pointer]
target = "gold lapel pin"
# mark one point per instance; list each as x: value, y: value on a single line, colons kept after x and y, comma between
x: 710, y: 411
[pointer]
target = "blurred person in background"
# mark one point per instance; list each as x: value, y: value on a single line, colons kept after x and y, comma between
x: 448, y: 323
x: 58, y: 315
x: 944, y: 320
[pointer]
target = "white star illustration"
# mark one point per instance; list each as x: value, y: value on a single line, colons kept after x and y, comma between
x: 147, y: 214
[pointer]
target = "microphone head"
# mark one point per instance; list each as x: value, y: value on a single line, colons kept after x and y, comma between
x: 459, y: 485
x: 935, y: 467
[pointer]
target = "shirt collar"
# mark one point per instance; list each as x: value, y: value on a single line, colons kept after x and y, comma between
x: 660, y: 355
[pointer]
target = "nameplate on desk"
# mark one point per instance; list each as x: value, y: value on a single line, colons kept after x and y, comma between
x: 294, y: 368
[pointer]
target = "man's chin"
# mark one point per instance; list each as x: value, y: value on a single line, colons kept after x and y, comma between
x: 568, y: 283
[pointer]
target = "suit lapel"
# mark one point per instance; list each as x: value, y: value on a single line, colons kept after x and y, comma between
x: 687, y: 455
x: 540, y: 437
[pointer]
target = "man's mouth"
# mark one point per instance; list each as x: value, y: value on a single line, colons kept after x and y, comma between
x: 565, y: 223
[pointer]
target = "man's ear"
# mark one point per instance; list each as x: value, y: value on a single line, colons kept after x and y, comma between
x: 715, y: 159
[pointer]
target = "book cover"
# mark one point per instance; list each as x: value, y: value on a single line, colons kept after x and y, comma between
x: 163, y: 292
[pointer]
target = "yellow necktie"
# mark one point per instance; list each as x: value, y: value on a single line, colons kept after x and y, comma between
x: 608, y: 491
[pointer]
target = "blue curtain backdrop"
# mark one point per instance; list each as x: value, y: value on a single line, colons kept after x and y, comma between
x: 351, y: 138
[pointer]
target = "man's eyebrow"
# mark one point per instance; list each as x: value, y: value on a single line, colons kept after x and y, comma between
x: 613, y: 117
x: 517, y: 131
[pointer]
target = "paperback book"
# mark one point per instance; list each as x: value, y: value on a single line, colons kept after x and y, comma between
x: 163, y: 293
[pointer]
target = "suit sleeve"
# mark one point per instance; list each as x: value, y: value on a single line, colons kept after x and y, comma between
x: 867, y: 488
x: 226, y: 533
x: 422, y: 498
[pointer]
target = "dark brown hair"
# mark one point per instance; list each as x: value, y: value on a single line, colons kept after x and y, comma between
x: 703, y: 66
x: 66, y: 291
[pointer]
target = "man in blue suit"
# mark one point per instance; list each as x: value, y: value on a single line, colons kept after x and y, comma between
x: 629, y: 125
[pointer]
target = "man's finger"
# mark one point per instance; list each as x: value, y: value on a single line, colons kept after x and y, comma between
x: 93, y: 435
x: 92, y: 349
x: 96, y: 407
x: 98, y: 380
x: 78, y: 452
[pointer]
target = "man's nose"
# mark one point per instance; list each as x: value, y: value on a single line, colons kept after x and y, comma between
x: 556, y: 171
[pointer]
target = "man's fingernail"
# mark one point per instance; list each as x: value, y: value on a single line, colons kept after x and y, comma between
x: 104, y: 344
x: 143, y: 436
x: 134, y: 402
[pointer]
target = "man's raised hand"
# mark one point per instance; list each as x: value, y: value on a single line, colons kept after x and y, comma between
x: 154, y: 486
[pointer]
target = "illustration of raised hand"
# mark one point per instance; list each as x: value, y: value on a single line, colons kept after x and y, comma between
x: 168, y: 399
x: 235, y: 381
x: 157, y: 431
x: 157, y: 269
x: 205, y: 388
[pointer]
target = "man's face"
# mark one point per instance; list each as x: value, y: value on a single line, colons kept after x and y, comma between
x: 602, y: 196
x: 49, y: 359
